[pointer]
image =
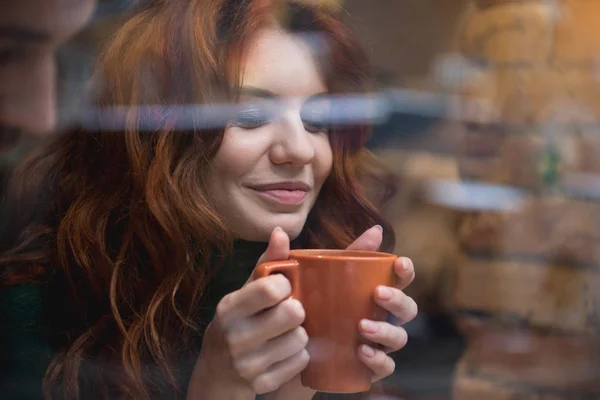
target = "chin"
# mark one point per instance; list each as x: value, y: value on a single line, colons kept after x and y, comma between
x: 290, y: 223
x: 293, y: 232
x: 261, y: 231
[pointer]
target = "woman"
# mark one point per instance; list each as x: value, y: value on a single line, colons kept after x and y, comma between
x: 129, y: 274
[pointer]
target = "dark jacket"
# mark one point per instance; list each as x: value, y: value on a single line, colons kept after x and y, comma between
x: 25, y: 351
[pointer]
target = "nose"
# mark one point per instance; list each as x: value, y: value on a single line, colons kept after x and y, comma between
x: 27, y: 96
x: 293, y: 144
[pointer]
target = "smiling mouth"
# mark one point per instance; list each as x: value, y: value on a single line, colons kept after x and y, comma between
x: 287, y: 193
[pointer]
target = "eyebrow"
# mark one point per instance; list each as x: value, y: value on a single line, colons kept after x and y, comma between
x: 253, y: 91
x: 24, y: 34
x: 256, y: 92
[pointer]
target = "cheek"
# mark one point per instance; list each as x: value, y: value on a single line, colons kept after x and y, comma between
x: 323, y: 157
x: 237, y: 155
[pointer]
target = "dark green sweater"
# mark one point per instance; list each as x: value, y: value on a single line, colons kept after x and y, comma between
x: 25, y: 354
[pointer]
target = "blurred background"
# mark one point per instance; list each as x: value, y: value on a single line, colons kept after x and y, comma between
x: 489, y: 120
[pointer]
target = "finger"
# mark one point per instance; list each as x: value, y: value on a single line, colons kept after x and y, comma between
x: 403, y: 307
x: 253, y: 298
x: 254, y: 363
x: 391, y: 337
x: 278, y: 248
x: 381, y: 364
x: 251, y: 333
x: 405, y: 271
x: 281, y: 373
x: 370, y: 240
x: 258, y: 295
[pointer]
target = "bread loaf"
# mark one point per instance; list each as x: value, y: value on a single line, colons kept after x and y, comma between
x: 503, y: 159
x: 589, y: 151
x: 518, y: 98
x: 531, y: 293
x: 470, y: 385
x: 576, y: 34
x: 577, y: 104
x: 510, y: 34
x: 528, y: 356
x: 553, y: 229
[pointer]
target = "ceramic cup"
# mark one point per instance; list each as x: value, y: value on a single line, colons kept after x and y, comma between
x: 336, y: 288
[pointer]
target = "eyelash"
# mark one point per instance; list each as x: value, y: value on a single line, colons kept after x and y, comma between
x: 256, y: 117
x: 252, y: 118
x: 315, y: 120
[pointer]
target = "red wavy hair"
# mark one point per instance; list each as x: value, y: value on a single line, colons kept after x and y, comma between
x: 118, y: 222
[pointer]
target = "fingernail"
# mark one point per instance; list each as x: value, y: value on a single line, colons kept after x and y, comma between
x: 384, y: 293
x: 406, y: 264
x: 379, y: 227
x: 277, y: 229
x: 367, y: 351
x: 368, y: 326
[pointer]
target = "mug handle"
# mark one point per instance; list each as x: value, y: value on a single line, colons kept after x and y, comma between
x: 289, y: 268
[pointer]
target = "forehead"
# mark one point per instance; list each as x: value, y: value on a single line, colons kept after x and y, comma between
x: 58, y: 19
x: 283, y: 63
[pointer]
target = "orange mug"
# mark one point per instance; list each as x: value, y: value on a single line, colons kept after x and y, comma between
x: 336, y: 288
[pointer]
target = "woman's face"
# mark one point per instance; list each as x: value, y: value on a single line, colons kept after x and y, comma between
x: 275, y: 154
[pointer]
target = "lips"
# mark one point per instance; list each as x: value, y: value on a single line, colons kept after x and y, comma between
x: 290, y: 193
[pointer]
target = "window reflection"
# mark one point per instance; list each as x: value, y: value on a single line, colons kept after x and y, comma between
x: 147, y: 139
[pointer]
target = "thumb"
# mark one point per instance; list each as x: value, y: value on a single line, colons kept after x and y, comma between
x: 370, y: 240
x: 278, y: 248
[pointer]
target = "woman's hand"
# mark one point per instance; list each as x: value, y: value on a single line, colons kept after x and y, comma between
x: 255, y: 343
x: 388, y: 336
x: 391, y: 337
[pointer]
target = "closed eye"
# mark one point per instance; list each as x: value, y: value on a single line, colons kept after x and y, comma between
x: 316, y: 115
x: 253, y: 116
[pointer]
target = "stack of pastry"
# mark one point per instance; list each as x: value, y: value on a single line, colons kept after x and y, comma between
x: 527, y: 288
